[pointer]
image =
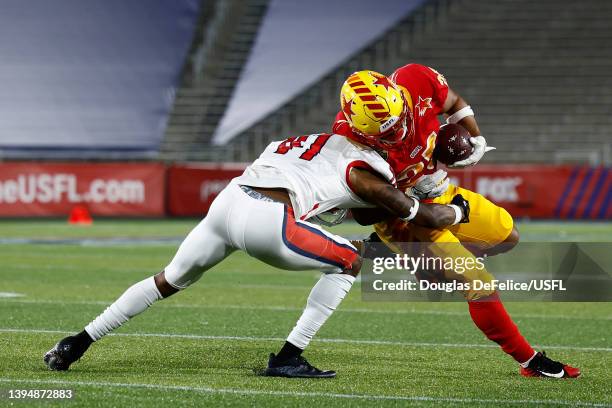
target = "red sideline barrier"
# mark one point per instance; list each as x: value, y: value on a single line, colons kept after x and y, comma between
x: 192, y: 188
x: 535, y: 191
x: 53, y: 189
x: 541, y: 191
x: 118, y: 189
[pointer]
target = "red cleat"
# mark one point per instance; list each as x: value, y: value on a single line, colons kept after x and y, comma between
x: 542, y: 366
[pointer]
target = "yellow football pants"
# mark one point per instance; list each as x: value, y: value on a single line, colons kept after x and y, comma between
x: 489, y: 225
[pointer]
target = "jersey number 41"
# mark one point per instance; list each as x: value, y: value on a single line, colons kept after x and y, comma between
x: 298, y: 142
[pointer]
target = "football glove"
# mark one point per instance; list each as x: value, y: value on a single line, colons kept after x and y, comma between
x: 429, y: 186
x: 464, y: 204
x: 480, y: 148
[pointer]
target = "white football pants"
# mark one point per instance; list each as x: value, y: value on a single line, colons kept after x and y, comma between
x: 266, y: 230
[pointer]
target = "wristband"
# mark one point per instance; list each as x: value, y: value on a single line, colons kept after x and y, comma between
x: 413, y: 210
x: 460, y: 114
x: 458, y: 213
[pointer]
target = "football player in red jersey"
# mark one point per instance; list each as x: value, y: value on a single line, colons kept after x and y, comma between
x: 491, y: 228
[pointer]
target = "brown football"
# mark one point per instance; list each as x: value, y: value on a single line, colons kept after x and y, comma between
x: 452, y: 144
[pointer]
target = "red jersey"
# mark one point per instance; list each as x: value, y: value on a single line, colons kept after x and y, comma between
x: 425, y: 90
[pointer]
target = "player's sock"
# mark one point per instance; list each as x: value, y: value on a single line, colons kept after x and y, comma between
x: 526, y: 363
x: 324, y: 298
x: 289, y: 351
x: 135, y: 300
x: 492, y: 319
x: 84, y: 338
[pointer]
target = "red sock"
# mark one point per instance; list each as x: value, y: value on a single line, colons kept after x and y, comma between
x: 491, y: 318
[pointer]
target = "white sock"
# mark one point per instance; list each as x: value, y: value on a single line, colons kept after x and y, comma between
x: 135, y: 300
x: 324, y: 298
x: 526, y: 363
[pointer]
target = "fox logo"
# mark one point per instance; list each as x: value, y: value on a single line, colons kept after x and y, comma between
x: 499, y: 189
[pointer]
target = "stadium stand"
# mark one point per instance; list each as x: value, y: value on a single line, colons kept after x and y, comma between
x: 273, y: 65
x: 295, y: 46
x: 547, y: 89
x: 72, y: 88
x: 89, y: 79
x: 215, y: 66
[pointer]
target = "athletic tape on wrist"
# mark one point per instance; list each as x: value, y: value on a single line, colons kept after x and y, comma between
x: 413, y: 210
x: 458, y: 213
x: 460, y: 114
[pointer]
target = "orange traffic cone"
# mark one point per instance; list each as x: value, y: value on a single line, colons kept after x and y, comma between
x: 79, y: 215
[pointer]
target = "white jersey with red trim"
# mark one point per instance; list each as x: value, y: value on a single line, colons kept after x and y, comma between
x: 314, y: 169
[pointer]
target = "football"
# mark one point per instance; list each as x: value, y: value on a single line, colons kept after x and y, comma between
x: 452, y: 144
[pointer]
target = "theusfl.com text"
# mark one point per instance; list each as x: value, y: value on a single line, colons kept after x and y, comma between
x: 59, y: 187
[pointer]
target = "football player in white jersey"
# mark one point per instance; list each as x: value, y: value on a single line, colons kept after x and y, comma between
x: 265, y: 212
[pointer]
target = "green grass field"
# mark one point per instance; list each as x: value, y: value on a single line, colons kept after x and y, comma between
x: 201, y: 346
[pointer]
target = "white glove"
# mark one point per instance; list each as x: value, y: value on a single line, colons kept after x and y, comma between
x: 480, y: 148
x: 430, y: 185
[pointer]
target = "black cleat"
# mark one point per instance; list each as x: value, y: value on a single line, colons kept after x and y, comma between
x: 542, y: 366
x: 65, y: 352
x: 295, y: 367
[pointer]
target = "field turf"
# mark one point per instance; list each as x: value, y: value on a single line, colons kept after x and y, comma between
x: 203, y: 346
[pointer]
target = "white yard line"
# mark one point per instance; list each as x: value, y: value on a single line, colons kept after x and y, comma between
x: 297, y: 309
x: 11, y: 295
x: 246, y: 391
x: 321, y: 340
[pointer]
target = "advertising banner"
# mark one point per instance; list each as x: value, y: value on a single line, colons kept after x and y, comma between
x: 133, y: 189
x: 108, y: 189
x: 533, y: 191
x: 192, y: 188
x: 541, y: 191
